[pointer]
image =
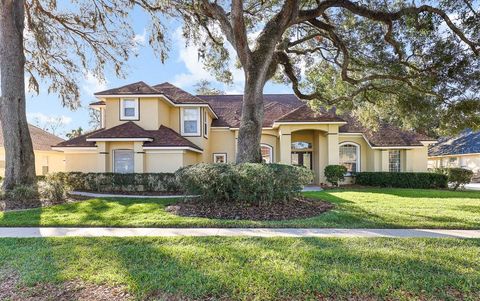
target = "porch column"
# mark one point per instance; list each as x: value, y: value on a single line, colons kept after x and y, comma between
x: 384, y: 160
x: 102, y: 157
x: 138, y: 157
x: 333, y: 148
x: 285, y: 147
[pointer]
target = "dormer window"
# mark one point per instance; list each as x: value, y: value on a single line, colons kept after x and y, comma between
x: 191, y: 122
x: 129, y: 109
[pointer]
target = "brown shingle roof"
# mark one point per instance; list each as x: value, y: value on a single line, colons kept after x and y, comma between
x: 306, y: 114
x: 176, y: 94
x: 125, y: 130
x: 41, y: 140
x: 130, y: 89
x: 97, y: 103
x: 166, y: 137
x: 163, y: 137
x: 386, y: 135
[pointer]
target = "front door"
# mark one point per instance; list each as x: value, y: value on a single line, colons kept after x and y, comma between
x: 302, y: 159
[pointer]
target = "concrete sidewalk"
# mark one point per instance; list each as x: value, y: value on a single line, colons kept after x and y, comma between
x: 251, y: 232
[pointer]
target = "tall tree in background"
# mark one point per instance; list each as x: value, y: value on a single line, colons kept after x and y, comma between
x: 418, y: 60
x: 204, y: 87
x: 59, y: 42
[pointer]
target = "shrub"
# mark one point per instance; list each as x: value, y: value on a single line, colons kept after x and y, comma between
x: 252, y: 183
x: 53, y: 189
x: 22, y: 193
x: 457, y: 176
x: 335, y: 173
x: 402, y: 179
x: 115, y: 182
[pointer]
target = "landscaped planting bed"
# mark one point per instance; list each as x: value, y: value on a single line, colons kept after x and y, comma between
x: 292, y: 209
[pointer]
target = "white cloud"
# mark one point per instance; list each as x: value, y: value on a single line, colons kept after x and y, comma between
x: 140, y: 39
x: 188, y: 55
x: 41, y: 118
x: 92, y: 85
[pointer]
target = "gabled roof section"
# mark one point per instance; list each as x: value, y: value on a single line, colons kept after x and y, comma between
x: 80, y: 141
x: 128, y: 130
x: 131, y: 89
x: 177, y: 95
x: 305, y: 114
x: 386, y: 135
x: 97, y: 103
x: 41, y: 140
x: 467, y: 142
x: 166, y: 137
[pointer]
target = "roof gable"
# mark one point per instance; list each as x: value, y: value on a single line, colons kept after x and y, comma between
x: 130, y: 89
x: 177, y: 95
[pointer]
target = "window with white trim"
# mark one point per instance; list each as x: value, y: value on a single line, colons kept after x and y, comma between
x: 349, y: 156
x: 129, y: 109
x: 394, y: 160
x: 191, y: 121
x: 205, y: 123
x: 267, y: 153
x: 219, y: 158
x: 123, y: 161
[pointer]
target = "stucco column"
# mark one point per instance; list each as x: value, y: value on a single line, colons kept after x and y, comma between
x: 407, y: 159
x: 138, y: 157
x: 285, y: 147
x: 384, y: 160
x: 102, y: 157
x: 333, y: 148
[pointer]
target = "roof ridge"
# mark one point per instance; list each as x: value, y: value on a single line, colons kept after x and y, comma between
x: 290, y: 112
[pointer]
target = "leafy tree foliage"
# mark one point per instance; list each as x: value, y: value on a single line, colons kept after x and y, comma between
x: 415, y: 63
x: 204, y: 87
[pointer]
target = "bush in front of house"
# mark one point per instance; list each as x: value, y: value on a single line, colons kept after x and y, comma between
x: 22, y: 193
x: 335, y: 173
x: 458, y: 177
x: 424, y: 180
x: 53, y: 188
x: 253, y: 183
x: 116, y: 182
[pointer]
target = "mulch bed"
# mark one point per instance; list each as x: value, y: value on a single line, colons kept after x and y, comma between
x: 147, y: 193
x: 296, y: 208
x: 11, y: 289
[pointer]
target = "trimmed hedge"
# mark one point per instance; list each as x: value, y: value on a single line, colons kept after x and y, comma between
x: 402, y: 179
x: 253, y: 183
x: 116, y: 182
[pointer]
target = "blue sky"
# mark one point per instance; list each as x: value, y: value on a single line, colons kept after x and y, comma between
x: 182, y: 69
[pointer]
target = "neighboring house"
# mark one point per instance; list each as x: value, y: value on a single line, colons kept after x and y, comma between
x: 46, y: 159
x: 162, y: 128
x: 461, y: 151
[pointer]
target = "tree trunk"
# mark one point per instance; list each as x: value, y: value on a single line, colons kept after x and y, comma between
x: 20, y: 160
x: 250, y: 132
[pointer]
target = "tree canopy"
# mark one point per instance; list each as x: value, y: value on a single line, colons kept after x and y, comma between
x: 415, y: 63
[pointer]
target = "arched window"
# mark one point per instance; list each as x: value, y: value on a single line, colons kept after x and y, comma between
x: 350, y: 156
x: 267, y: 153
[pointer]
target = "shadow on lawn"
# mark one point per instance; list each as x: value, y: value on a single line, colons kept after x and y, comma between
x: 247, y: 268
x: 421, y: 193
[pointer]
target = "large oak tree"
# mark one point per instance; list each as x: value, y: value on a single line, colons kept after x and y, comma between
x: 59, y: 42
x: 415, y: 60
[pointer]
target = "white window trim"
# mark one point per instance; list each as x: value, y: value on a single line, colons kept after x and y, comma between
x: 358, y: 168
x: 113, y: 158
x: 216, y: 155
x: 122, y: 109
x: 199, y: 127
x: 271, y: 151
x: 399, y: 160
x: 205, y: 123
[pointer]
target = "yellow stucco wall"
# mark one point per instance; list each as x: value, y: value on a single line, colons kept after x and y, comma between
x: 45, y: 162
x: 470, y: 161
x: 82, y: 162
x: 163, y: 161
x: 222, y: 141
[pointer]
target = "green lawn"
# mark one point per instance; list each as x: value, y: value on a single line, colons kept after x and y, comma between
x: 255, y: 268
x: 361, y: 208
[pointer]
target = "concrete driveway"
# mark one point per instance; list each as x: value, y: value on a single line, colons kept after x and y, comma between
x: 473, y: 186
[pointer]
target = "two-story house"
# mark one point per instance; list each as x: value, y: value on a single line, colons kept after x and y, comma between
x: 161, y: 128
